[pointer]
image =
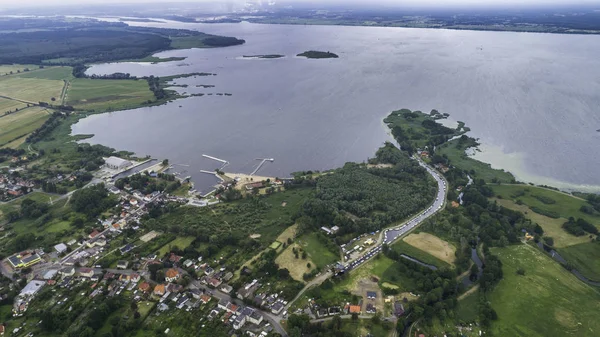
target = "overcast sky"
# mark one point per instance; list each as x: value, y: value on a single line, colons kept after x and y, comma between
x: 412, y: 3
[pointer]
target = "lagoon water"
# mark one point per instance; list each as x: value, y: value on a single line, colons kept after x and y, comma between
x: 533, y: 100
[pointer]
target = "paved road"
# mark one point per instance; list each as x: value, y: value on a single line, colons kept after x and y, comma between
x: 389, y: 235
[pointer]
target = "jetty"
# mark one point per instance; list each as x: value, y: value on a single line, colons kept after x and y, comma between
x: 262, y: 161
x: 225, y: 162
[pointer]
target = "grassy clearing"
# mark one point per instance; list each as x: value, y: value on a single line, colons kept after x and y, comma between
x: 366, y: 327
x: 552, y: 227
x: 458, y: 158
x: 377, y: 267
x: 317, y: 251
x: 275, y: 245
x: 181, y: 242
x: 405, y: 248
x: 289, y: 233
x: 564, y: 204
x: 297, y: 267
x: 432, y: 245
x: 22, y: 123
x: 584, y: 257
x: 468, y: 308
x: 102, y: 95
x: 547, y: 301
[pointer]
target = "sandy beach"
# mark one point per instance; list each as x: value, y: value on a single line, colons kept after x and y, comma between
x: 246, y: 178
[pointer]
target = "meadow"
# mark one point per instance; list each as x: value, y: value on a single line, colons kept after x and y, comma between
x: 584, y: 257
x: 317, y: 252
x: 432, y: 245
x: 546, y: 200
x: 20, y: 124
x: 103, y: 95
x: 547, y: 301
x: 181, y: 242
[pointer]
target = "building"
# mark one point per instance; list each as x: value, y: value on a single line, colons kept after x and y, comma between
x: 116, y: 163
x: 239, y: 322
x: 277, y: 308
x: 223, y: 303
x: 205, y: 299
x: 159, y: 290
x: 32, y: 288
x: 144, y: 287
x: 370, y: 308
x: 354, y: 309
x: 2, y: 328
x: 171, y: 275
x: 67, y: 271
x: 86, y: 272
x: 255, y: 318
x: 398, y: 309
x: 122, y: 264
x: 50, y: 274
x: 60, y: 248
x: 371, y: 295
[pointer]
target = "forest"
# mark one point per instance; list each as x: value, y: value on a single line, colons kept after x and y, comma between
x: 361, y: 199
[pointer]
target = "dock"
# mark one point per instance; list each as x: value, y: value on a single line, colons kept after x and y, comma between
x: 225, y: 162
x: 262, y: 161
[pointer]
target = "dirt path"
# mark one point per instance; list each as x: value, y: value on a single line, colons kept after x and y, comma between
x: 468, y: 292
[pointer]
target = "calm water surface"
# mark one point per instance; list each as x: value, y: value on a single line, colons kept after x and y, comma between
x: 532, y: 99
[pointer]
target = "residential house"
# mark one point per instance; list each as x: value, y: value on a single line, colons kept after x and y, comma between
x: 94, y: 234
x: 370, y: 309
x: 255, y: 318
x: 174, y: 288
x: 159, y: 290
x: 86, y: 272
x: 277, y: 308
x: 127, y: 248
x: 188, y: 263
x: 232, y: 308
x: 205, y: 299
x: 228, y: 276
x: 371, y: 295
x: 173, y: 258
x: 144, y: 287
x: 122, y: 264
x: 67, y: 271
x: 226, y: 288
x: 354, y: 309
x: 214, y: 282
x: 223, y: 304
x: 398, y: 309
x: 135, y: 278
x: 172, y: 275
x: 248, y: 290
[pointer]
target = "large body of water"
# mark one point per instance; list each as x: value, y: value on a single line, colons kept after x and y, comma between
x: 532, y: 99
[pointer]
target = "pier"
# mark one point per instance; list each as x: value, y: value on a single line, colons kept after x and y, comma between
x: 262, y: 161
x: 225, y: 162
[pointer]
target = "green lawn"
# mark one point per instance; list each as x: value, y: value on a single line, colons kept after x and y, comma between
x: 547, y: 301
x: 318, y: 253
x: 468, y: 308
x: 103, y: 95
x: 404, y: 248
x: 585, y: 257
x: 22, y: 123
x: 181, y: 242
x: 564, y: 204
x: 458, y: 158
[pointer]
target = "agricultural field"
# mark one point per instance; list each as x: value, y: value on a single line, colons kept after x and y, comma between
x: 584, y: 257
x: 101, y: 95
x: 317, y: 251
x: 554, y: 203
x: 22, y: 123
x: 30, y: 89
x: 181, y: 242
x: 432, y: 245
x: 50, y: 73
x: 552, y: 227
x: 6, y: 69
x: 547, y: 301
x: 9, y: 105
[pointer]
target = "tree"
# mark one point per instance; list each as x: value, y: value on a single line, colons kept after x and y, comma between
x: 165, y: 162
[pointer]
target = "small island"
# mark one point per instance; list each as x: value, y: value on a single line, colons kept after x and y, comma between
x: 313, y: 54
x: 268, y: 56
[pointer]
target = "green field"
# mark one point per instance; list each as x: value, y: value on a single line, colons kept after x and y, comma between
x: 585, y: 257
x: 468, y: 308
x: 5, y: 69
x: 404, y: 248
x: 30, y: 89
x: 21, y: 123
x: 50, y: 73
x: 103, y: 95
x: 365, y: 327
x: 10, y: 105
x: 552, y: 227
x: 547, y: 301
x: 458, y: 158
x: 181, y: 242
x: 564, y: 204
x: 318, y: 253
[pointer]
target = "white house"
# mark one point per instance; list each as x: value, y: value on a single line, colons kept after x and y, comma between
x: 116, y: 163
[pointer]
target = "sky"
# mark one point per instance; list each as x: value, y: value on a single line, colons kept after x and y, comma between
x: 415, y: 3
